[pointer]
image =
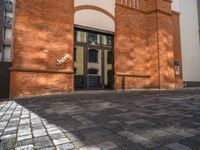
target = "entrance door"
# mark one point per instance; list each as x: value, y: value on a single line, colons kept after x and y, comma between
x: 94, y: 65
x: 93, y: 60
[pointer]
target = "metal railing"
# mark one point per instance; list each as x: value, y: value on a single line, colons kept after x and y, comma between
x: 124, y: 76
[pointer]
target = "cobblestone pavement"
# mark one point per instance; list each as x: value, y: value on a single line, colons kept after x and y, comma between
x: 167, y: 120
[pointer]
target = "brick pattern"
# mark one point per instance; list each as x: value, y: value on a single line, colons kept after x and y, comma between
x: 145, y: 45
x: 43, y: 35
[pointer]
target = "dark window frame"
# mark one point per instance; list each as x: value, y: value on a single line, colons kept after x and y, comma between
x: 93, y: 56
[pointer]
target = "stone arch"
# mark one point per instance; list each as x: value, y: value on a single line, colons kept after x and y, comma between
x: 84, y: 7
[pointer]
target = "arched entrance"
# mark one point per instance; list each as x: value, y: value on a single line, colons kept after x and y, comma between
x: 93, y: 59
x: 94, y: 48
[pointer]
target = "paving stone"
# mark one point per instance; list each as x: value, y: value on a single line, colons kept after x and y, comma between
x: 132, y: 146
x: 57, y: 136
x: 55, y: 132
x: 24, y: 142
x: 61, y: 141
x: 26, y: 137
x: 26, y: 147
x: 107, y: 145
x: 185, y: 134
x: 8, y: 143
x: 40, y: 132
x: 177, y: 146
x: 129, y: 120
x: 42, y: 142
x: 23, y: 132
x: 49, y: 148
x: 90, y: 148
x: 67, y: 146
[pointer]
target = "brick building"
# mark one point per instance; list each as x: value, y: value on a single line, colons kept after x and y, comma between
x: 67, y: 45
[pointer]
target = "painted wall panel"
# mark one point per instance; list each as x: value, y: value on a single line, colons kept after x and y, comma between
x: 108, y: 5
x: 190, y: 40
x: 175, y: 5
x: 95, y: 19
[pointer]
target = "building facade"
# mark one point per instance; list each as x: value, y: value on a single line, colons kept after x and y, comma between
x: 61, y: 46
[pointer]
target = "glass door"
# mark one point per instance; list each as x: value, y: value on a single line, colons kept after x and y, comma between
x: 79, y: 77
x: 93, y: 60
x: 94, y: 66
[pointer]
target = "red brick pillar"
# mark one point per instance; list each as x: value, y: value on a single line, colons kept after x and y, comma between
x: 144, y: 45
x: 165, y: 44
x: 42, y: 48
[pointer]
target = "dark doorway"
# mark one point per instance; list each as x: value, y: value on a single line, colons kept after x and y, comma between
x: 4, y: 79
x: 93, y: 59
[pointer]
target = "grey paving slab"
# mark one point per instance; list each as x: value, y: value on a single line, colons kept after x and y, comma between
x: 148, y: 120
x: 177, y: 146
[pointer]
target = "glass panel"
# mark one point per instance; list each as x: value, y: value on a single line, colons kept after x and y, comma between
x: 110, y: 57
x: 94, y: 76
x: 94, y: 39
x: 93, y: 55
x: 80, y: 36
x: 8, y: 34
x: 107, y: 40
x: 79, y: 67
x: 7, y: 54
x: 92, y: 71
x: 108, y: 68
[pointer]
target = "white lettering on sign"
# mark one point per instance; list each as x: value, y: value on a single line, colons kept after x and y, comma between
x: 61, y: 61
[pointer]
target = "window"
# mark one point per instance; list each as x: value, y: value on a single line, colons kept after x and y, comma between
x: 93, y: 55
x: 6, y: 32
x: 75, y: 54
x: 107, y: 40
x: 80, y: 36
x: 110, y: 57
x: 94, y: 39
x: 92, y: 71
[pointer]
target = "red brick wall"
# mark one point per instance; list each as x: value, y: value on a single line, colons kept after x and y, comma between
x: 43, y: 34
x: 144, y: 48
x: 147, y: 41
x: 131, y: 47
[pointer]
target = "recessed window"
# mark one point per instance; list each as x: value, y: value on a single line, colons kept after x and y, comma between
x: 110, y: 57
x: 94, y: 39
x: 107, y: 40
x: 93, y: 55
x: 80, y: 36
x: 92, y: 71
x: 75, y: 54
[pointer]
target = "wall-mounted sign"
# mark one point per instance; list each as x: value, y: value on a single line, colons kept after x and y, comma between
x: 66, y: 58
x: 177, y: 67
